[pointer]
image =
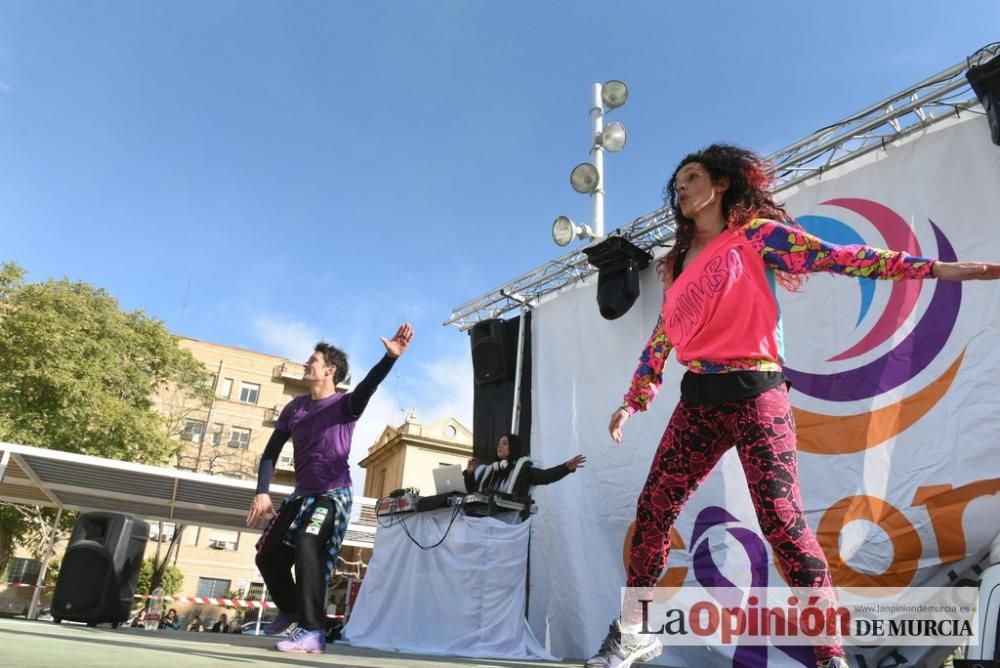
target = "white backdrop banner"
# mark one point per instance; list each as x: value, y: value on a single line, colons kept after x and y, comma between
x: 897, y: 399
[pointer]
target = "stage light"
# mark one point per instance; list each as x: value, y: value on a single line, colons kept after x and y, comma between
x: 614, y: 94
x: 618, y: 262
x: 613, y: 137
x: 585, y: 178
x: 985, y: 80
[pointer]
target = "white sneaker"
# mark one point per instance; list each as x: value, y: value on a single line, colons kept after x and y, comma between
x: 620, y: 650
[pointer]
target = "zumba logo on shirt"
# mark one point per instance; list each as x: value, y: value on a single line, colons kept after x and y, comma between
x: 687, y: 308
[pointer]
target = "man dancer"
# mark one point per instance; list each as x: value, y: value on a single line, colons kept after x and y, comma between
x: 309, y: 527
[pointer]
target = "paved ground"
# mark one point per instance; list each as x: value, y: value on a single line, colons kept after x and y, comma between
x: 25, y: 644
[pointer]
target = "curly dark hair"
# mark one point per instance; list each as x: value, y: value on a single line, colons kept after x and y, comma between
x: 334, y: 356
x: 748, y: 196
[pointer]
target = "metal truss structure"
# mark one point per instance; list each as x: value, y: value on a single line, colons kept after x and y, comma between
x: 941, y: 96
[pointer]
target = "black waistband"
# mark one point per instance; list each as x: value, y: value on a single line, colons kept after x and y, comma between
x: 717, y: 388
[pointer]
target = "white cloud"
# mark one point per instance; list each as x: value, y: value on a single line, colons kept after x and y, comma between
x: 290, y: 338
x: 446, y: 390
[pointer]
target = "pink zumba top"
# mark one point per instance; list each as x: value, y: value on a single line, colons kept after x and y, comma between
x: 721, y: 314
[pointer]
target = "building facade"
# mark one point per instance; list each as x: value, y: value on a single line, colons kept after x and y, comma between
x: 227, y: 435
x: 405, y: 456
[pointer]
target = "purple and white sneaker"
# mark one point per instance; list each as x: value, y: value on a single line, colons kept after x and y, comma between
x: 304, y: 642
x: 281, y: 623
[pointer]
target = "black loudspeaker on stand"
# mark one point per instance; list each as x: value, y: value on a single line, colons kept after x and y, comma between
x: 100, y: 569
x: 494, y: 360
x: 494, y: 352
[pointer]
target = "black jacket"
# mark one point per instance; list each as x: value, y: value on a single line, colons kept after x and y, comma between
x: 527, y: 477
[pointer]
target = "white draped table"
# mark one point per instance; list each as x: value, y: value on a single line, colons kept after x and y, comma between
x: 464, y: 597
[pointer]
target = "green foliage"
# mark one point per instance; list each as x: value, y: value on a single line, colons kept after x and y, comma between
x: 12, y: 525
x: 79, y: 375
x: 52, y: 573
x: 172, y: 582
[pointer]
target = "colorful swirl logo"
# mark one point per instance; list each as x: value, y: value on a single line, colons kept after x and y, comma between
x: 899, y: 365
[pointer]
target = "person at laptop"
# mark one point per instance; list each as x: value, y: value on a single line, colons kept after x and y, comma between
x: 514, y: 473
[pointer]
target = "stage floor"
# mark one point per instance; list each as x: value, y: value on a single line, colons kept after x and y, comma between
x: 25, y: 644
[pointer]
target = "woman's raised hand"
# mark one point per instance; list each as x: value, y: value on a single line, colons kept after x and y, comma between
x: 617, y: 421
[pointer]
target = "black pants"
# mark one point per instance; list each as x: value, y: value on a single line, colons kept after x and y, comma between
x: 306, y: 595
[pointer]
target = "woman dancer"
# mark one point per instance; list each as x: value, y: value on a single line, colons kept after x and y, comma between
x: 733, y: 243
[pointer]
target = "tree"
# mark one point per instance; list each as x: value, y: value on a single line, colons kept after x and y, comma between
x: 52, y: 573
x: 79, y: 374
x: 32, y: 527
x: 171, y: 582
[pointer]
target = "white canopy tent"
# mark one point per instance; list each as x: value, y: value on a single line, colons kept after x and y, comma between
x: 69, y: 481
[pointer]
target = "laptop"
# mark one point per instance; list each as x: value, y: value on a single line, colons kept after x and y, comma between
x: 449, y: 479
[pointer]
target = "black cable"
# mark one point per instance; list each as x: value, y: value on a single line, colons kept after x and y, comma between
x: 454, y: 513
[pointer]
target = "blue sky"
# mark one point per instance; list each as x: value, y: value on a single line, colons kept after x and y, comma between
x: 263, y: 174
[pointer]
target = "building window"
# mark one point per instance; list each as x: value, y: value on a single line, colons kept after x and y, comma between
x: 249, y: 392
x: 193, y: 431
x: 239, y: 438
x: 381, y: 482
x: 286, y: 462
x: 212, y: 587
x: 216, y: 437
x: 166, y: 535
x: 226, y: 389
x: 256, y: 590
x: 23, y: 571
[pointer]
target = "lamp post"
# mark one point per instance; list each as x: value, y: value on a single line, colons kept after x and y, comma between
x: 588, y: 177
x: 597, y: 153
x: 617, y: 259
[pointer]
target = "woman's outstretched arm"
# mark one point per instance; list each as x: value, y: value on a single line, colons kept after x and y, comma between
x: 795, y: 251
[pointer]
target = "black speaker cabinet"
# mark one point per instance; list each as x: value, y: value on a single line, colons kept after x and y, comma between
x: 493, y: 353
x: 100, y: 569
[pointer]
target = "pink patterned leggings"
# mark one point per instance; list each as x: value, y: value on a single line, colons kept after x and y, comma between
x: 763, y: 430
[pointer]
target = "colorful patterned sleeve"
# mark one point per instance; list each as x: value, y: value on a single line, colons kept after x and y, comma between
x: 795, y: 251
x: 649, y: 374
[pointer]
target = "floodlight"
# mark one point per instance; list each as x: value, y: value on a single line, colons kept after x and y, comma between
x: 564, y: 229
x: 614, y: 94
x: 613, y: 137
x: 584, y: 178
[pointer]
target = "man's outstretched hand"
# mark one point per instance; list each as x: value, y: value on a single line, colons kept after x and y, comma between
x: 398, y: 344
